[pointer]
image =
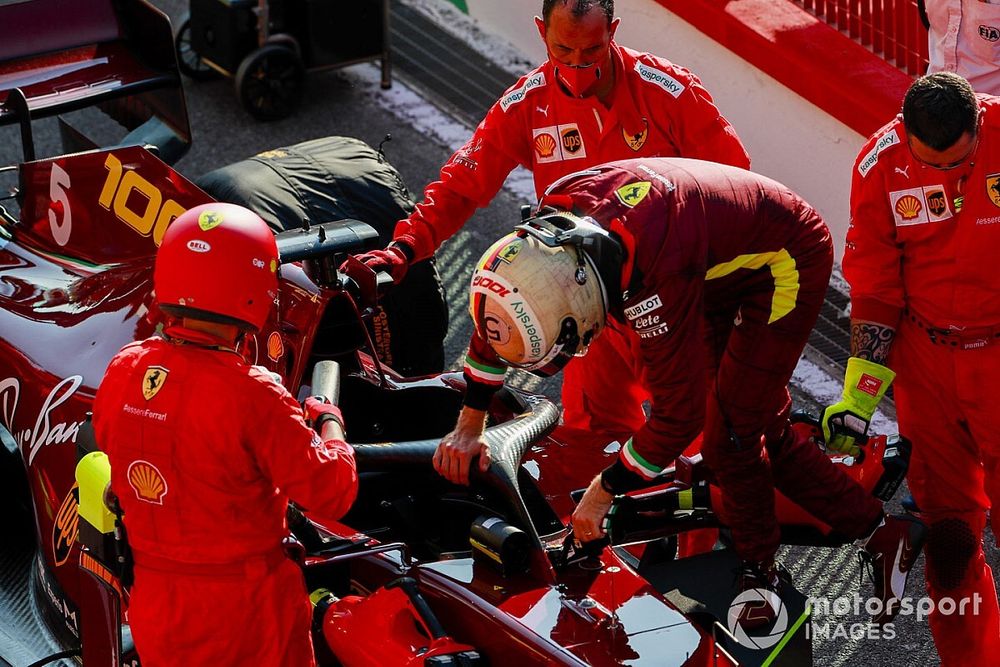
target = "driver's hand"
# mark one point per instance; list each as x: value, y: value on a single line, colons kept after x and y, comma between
x: 588, y: 518
x: 454, y: 454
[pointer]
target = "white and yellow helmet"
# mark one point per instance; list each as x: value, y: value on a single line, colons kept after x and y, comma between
x: 537, y: 296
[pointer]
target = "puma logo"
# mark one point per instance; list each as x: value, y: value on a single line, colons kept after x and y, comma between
x: 903, y: 170
x: 543, y: 110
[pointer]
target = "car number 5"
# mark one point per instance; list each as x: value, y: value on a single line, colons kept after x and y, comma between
x: 58, y: 183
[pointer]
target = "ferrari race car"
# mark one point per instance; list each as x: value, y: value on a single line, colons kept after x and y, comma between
x: 420, y: 572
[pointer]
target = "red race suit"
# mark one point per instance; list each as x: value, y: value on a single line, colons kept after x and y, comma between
x: 205, y: 452
x: 921, y: 258
x: 729, y: 273
x: 656, y: 109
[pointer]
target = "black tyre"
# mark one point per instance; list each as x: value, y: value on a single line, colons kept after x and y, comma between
x: 269, y: 82
x: 188, y: 60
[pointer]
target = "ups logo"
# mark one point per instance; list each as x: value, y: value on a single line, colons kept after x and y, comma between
x: 65, y: 527
x: 936, y: 202
x: 572, y: 141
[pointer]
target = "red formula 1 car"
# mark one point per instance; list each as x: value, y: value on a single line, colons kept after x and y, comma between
x: 420, y: 572
x: 417, y: 561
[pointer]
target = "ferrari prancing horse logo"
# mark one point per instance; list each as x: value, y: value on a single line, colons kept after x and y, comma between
x: 993, y: 188
x: 209, y: 220
x: 637, y: 141
x: 153, y: 381
x: 633, y: 193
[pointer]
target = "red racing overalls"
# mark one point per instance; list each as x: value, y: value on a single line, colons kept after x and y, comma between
x: 657, y: 109
x: 730, y: 271
x: 205, y: 451
x: 921, y: 258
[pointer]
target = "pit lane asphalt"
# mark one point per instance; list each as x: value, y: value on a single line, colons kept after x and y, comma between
x: 334, y: 104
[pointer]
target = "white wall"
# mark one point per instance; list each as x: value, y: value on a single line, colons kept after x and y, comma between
x: 789, y: 138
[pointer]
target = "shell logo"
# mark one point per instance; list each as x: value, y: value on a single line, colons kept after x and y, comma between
x: 545, y: 144
x: 275, y: 348
x: 147, y: 482
x: 908, y: 207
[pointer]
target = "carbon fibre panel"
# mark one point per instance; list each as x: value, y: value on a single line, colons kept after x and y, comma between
x: 24, y: 637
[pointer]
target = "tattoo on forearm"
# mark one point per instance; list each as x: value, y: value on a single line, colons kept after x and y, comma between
x: 871, y: 341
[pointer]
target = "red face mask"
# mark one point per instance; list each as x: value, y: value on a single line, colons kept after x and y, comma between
x: 578, y: 79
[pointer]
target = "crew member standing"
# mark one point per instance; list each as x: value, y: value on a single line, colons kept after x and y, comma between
x: 921, y: 259
x: 205, y: 452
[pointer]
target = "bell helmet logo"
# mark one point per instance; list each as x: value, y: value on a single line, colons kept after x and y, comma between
x: 748, y: 601
x: 195, y: 245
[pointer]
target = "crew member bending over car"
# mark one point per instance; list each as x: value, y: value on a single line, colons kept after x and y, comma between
x: 592, y: 101
x: 701, y: 267
x: 205, y: 452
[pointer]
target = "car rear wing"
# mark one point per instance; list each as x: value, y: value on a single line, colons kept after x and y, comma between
x: 114, y: 55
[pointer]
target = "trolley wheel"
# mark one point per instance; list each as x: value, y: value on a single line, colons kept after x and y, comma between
x: 188, y: 60
x: 269, y: 82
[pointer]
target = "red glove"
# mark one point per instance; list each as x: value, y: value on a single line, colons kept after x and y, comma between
x: 318, y: 411
x: 394, y: 259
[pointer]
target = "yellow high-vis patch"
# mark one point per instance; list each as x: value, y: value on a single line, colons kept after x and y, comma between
x: 783, y: 270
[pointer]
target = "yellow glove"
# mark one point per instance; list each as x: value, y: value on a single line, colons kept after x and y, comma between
x: 865, y: 383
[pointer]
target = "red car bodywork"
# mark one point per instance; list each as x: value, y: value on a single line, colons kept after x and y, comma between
x: 75, y: 284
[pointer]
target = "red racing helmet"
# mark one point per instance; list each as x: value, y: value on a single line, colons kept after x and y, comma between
x: 218, y: 262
